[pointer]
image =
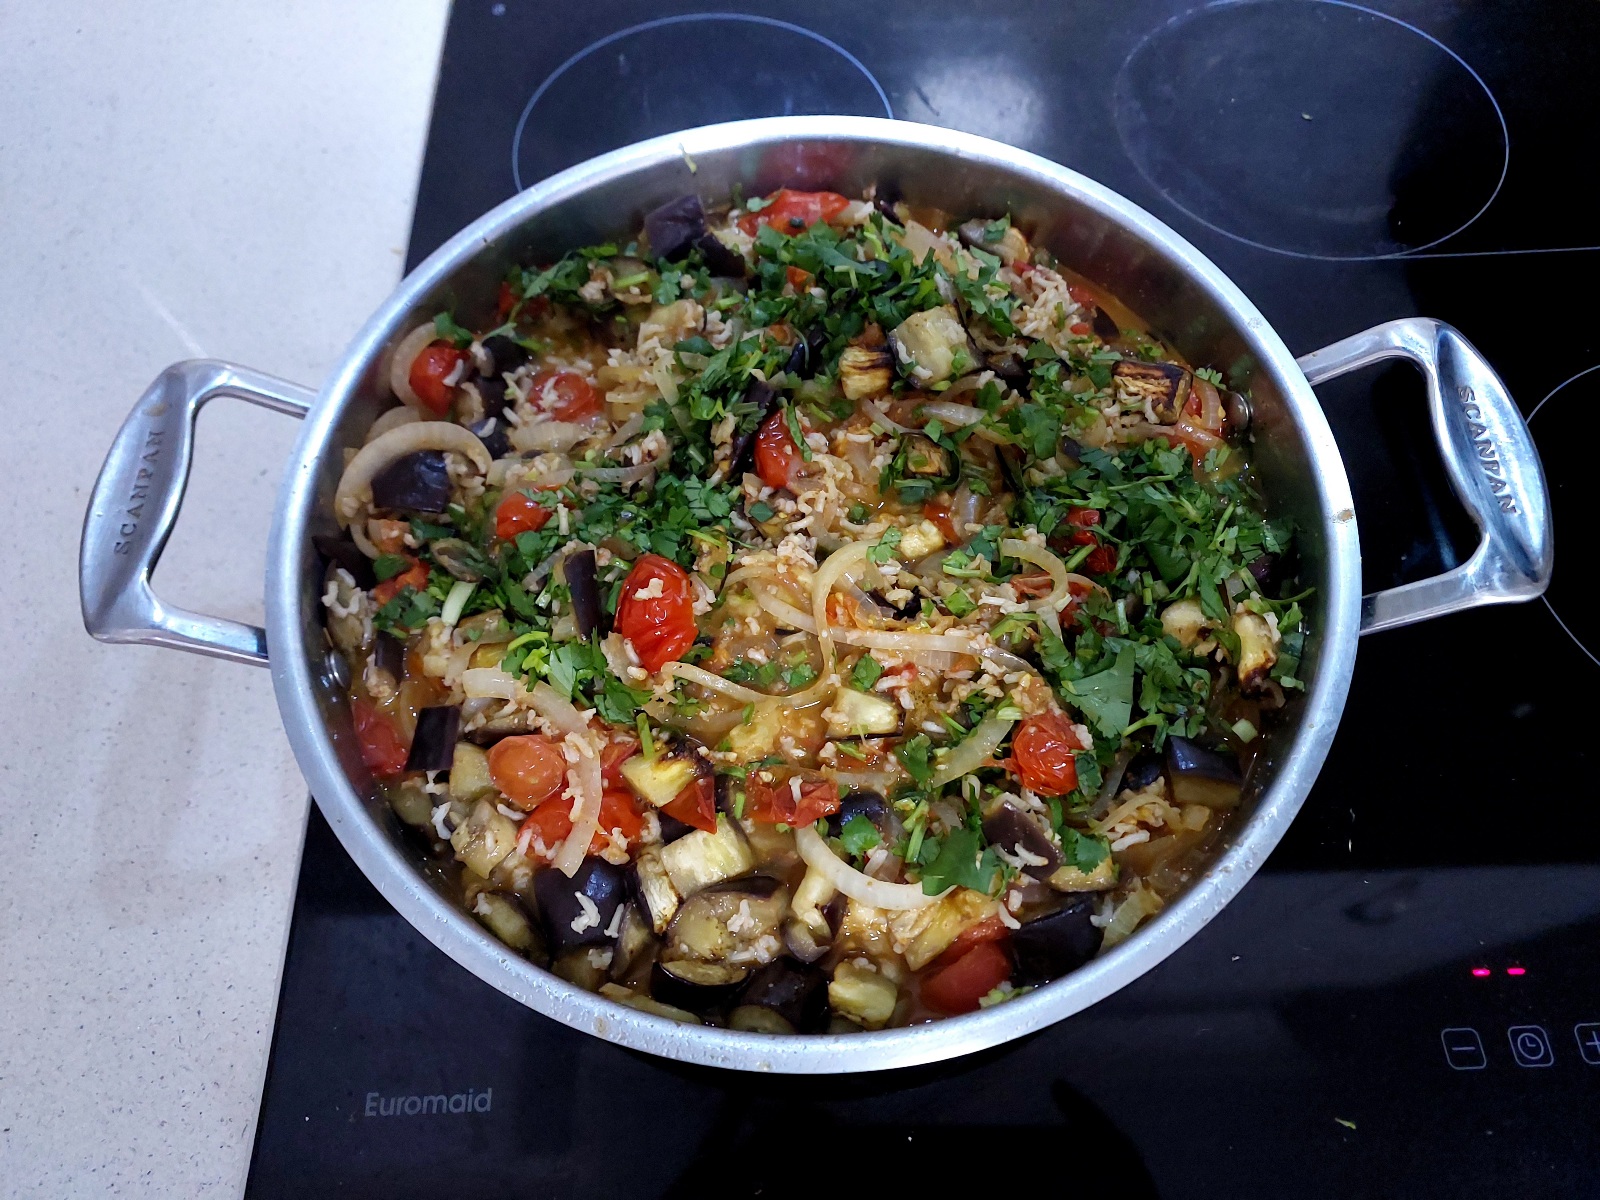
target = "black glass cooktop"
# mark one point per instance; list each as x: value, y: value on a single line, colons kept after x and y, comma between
x: 1406, y: 1001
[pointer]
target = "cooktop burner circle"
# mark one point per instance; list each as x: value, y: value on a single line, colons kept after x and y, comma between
x: 646, y: 80
x: 1313, y: 128
x: 1567, y: 471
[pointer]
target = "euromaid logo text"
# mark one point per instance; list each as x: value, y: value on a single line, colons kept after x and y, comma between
x: 379, y: 1105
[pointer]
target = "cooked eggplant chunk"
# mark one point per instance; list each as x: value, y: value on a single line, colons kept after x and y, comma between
x: 1019, y: 835
x: 484, y: 839
x: 806, y: 359
x: 1160, y: 388
x: 703, y: 858
x: 925, y: 458
x: 721, y: 259
x: 506, y: 919
x: 932, y: 346
x: 1258, y: 651
x: 1186, y: 623
x: 675, y: 227
x: 644, y: 1004
x: 764, y: 398
x: 491, y: 431
x: 1073, y: 878
x: 865, y: 373
x: 433, y: 746
x: 654, y: 888
x: 794, y: 993
x: 469, y: 773
x: 870, y: 805
x: 342, y: 552
x: 587, y: 611
x: 1201, y: 776
x: 581, y: 911
x: 1049, y: 946
x: 856, y: 714
x: 928, y: 932
x: 1143, y: 770
x: 658, y: 780
x: 695, y: 986
x: 863, y: 995
x: 505, y: 355
x: 387, y: 666
x: 729, y: 916
x: 460, y: 558
x: 636, y: 943
x: 417, y: 482
x: 999, y: 238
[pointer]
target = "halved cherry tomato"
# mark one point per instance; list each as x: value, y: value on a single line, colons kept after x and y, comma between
x: 519, y: 512
x: 990, y: 929
x: 1082, y: 295
x: 798, y: 279
x: 659, y: 624
x: 388, y: 536
x: 1042, y: 754
x: 1033, y: 586
x: 696, y: 805
x: 429, y: 370
x: 793, y: 212
x: 617, y: 752
x: 1083, y: 518
x: 382, y: 748
x: 939, y: 510
x: 619, y: 811
x: 552, y: 820
x: 776, y: 803
x: 1101, y: 561
x: 958, y: 987
x: 415, y: 576
x: 776, y: 454
x: 565, y: 395
x: 529, y: 769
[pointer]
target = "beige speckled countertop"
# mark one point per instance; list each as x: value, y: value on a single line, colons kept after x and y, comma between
x: 230, y: 180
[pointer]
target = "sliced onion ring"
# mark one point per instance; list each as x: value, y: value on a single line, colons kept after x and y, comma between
x: 405, y: 354
x: 587, y: 787
x: 892, y: 896
x: 972, y: 752
x: 400, y: 414
x: 356, y: 482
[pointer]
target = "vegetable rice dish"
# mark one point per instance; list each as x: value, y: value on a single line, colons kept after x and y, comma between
x: 808, y: 614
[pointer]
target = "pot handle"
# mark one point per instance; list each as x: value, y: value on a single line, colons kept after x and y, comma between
x: 1490, y: 458
x: 136, y: 500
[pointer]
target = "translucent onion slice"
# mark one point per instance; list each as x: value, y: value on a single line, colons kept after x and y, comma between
x: 586, y: 786
x: 790, y: 616
x: 892, y: 896
x: 557, y: 709
x: 356, y: 482
x: 413, y: 344
x: 832, y: 569
x: 1040, y: 557
x: 400, y: 414
x: 953, y: 414
x: 909, y: 643
x: 493, y: 683
x: 972, y: 752
x: 883, y: 418
x: 540, y: 437
x: 818, y: 692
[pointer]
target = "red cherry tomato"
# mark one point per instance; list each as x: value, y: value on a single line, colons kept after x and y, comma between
x: 660, y: 623
x: 938, y: 510
x: 552, y: 820
x: 415, y: 577
x: 696, y: 805
x: 565, y: 395
x: 519, y: 512
x: 1042, y: 754
x: 776, y: 804
x: 1082, y: 295
x: 990, y: 929
x: 1102, y: 560
x: 798, y: 279
x: 505, y: 301
x: 382, y: 748
x: 793, y: 212
x: 776, y: 454
x: 429, y: 370
x: 1083, y: 518
x: 529, y: 769
x: 613, y: 756
x: 958, y: 987
x: 619, y: 811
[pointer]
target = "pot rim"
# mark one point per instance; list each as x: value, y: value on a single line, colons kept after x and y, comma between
x: 450, y: 929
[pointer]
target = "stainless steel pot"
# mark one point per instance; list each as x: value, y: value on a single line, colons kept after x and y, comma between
x: 1482, y: 438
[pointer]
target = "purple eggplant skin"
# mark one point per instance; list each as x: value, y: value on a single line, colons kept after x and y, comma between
x: 1009, y: 827
x: 1049, y: 946
x: 797, y: 992
x: 1143, y: 770
x: 870, y: 805
x: 491, y: 431
x: 721, y: 260
x: 1264, y: 570
x: 671, y: 828
x: 389, y: 657
x: 419, y: 482
x: 765, y: 398
x: 342, y: 552
x: 1104, y: 327
x: 506, y: 354
x: 433, y: 746
x: 805, y: 360
x: 492, y: 391
x: 604, y: 884
x: 675, y: 228
x: 587, y: 611
x: 1196, y: 775
x: 697, y: 987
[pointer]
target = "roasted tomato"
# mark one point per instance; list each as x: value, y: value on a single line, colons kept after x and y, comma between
x: 1102, y: 560
x: 1042, y: 754
x: 794, y: 212
x: 776, y: 454
x: 529, y: 769
x: 655, y: 612
x: 552, y: 820
x: 519, y: 512
x: 696, y: 805
x: 565, y: 395
x: 959, y: 987
x: 415, y: 577
x: 429, y: 370
x: 382, y: 748
x: 794, y: 801
x: 617, y: 752
x: 620, y: 811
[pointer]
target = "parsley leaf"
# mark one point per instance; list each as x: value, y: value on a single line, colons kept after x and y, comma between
x: 960, y: 863
x: 859, y: 835
x: 915, y: 756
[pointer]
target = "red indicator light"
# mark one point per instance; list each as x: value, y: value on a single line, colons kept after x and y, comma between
x: 1481, y: 972
x: 1514, y: 971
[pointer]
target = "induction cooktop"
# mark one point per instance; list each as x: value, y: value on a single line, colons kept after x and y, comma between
x: 1406, y: 1000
